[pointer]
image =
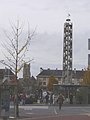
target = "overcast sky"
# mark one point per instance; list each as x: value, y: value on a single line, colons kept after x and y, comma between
x: 49, y: 16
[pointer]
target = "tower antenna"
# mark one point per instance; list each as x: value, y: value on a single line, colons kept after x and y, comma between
x: 68, y: 15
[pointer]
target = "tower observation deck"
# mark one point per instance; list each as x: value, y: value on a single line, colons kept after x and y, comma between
x: 67, y: 52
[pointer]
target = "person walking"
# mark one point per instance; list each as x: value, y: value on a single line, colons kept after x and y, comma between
x: 51, y: 98
x: 71, y: 98
x: 60, y: 100
x: 47, y: 98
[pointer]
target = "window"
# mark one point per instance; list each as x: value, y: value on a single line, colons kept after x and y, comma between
x: 44, y: 79
x: 44, y: 83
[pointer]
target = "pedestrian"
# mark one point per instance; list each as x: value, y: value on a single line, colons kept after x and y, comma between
x: 51, y: 99
x: 47, y: 98
x: 23, y: 99
x: 60, y: 100
x: 71, y: 98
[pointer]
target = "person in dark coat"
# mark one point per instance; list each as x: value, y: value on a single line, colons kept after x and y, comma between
x: 60, y: 100
x: 47, y: 98
x: 71, y: 98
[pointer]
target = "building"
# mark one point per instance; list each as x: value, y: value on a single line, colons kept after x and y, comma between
x: 67, y: 51
x: 45, y: 74
x: 28, y: 85
x: 6, y: 74
x: 28, y: 82
x: 26, y: 71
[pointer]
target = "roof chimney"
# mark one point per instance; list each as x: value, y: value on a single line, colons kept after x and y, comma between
x: 75, y: 70
x: 48, y: 68
x: 41, y: 69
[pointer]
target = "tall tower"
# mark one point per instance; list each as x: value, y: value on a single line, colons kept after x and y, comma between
x: 26, y: 71
x: 67, y: 51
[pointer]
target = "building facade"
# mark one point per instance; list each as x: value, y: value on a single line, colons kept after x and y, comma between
x: 45, y: 74
x: 28, y: 82
x: 6, y: 74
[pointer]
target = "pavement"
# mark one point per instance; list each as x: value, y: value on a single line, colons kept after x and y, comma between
x: 58, y: 117
x: 44, y: 112
x: 74, y: 117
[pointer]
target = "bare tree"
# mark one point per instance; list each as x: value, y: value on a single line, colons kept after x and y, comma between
x: 15, y: 56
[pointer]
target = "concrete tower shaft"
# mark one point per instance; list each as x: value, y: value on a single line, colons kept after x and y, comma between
x: 67, y: 52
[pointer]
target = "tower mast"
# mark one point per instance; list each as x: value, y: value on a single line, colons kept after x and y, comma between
x: 67, y: 51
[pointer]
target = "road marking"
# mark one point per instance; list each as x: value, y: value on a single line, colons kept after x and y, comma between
x: 85, y: 110
x: 34, y: 107
x: 11, y: 117
x: 55, y: 111
x: 88, y: 114
x: 30, y: 113
x: 27, y: 108
x: 31, y: 107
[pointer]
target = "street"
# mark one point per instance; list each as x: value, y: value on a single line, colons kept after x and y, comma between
x: 44, y: 112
